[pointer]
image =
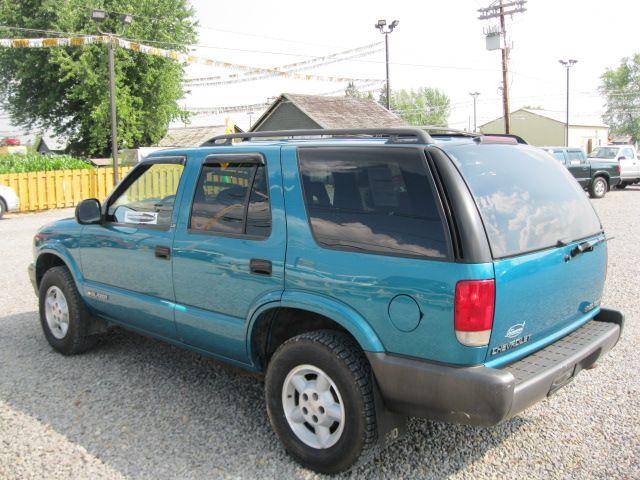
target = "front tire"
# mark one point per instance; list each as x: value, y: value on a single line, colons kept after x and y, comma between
x: 621, y: 186
x: 598, y: 187
x: 64, y: 317
x: 319, y: 395
x: 3, y: 208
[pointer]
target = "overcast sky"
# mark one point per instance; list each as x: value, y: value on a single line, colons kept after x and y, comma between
x: 437, y: 44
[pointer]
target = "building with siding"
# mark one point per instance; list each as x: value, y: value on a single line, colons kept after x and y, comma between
x: 542, y: 127
x: 294, y: 111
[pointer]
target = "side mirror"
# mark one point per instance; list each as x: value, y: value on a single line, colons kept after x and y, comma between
x: 88, y: 212
x: 622, y: 158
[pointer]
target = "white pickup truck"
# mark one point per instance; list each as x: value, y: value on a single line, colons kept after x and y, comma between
x: 626, y: 157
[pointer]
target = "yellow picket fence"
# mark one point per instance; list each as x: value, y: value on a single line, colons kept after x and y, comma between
x: 60, y: 188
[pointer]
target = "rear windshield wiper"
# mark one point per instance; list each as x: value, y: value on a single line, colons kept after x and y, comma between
x: 586, y: 246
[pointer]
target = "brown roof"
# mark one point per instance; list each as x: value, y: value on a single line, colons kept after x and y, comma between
x: 339, y: 112
x: 191, y: 136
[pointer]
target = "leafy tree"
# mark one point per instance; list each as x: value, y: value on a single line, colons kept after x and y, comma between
x: 353, y: 92
x: 66, y: 89
x: 621, y: 89
x: 424, y: 106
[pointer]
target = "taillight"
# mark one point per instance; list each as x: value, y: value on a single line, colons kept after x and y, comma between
x: 474, y: 308
x: 618, y: 166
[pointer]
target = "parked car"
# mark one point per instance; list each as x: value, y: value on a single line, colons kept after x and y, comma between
x: 9, y: 200
x: 595, y: 176
x: 625, y: 156
x: 370, y: 277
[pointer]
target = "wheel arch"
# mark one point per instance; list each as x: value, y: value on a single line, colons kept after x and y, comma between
x: 298, y: 312
x: 49, y: 258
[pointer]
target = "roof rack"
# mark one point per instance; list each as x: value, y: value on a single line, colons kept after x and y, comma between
x: 401, y: 135
x: 438, y: 130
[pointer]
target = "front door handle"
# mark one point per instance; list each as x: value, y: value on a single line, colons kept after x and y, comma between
x: 163, y: 252
x: 260, y: 267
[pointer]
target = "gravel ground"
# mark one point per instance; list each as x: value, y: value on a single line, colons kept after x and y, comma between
x: 137, y: 408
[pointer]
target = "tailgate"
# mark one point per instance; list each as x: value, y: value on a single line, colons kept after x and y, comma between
x: 541, y: 296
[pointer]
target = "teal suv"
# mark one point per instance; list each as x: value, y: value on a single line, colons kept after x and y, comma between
x: 367, y: 275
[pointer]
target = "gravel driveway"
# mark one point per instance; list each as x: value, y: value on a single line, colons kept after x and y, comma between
x: 137, y: 408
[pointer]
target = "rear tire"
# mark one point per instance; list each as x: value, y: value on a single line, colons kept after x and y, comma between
x: 324, y: 382
x: 64, y: 317
x: 598, y: 187
x: 3, y: 208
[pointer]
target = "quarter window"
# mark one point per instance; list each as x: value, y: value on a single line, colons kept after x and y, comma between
x: 365, y: 199
x: 232, y: 199
x: 149, y: 195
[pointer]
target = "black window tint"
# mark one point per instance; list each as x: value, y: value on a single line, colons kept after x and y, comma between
x: 372, y: 199
x: 527, y: 200
x: 259, y: 212
x: 221, y: 197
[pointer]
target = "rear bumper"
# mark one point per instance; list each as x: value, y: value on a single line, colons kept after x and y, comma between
x: 480, y: 395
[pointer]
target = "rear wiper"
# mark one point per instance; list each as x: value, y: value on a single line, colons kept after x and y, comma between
x: 586, y: 247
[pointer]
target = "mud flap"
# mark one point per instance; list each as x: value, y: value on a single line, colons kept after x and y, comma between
x: 391, y: 426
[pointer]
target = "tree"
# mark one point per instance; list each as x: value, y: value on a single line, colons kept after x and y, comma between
x: 353, y: 92
x: 424, y: 106
x: 621, y: 89
x: 65, y: 89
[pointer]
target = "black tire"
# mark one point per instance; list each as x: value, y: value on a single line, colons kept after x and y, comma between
x: 3, y: 208
x: 621, y: 186
x: 344, y: 362
x: 76, y: 340
x: 598, y: 187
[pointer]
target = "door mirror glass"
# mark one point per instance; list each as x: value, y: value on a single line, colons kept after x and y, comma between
x: 88, y: 212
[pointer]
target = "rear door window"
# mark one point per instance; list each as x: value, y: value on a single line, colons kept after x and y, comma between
x: 575, y: 157
x: 527, y: 200
x: 232, y: 198
x: 378, y: 200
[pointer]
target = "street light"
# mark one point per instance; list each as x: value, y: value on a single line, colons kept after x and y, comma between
x: 567, y: 64
x: 99, y: 16
x: 475, y: 97
x: 386, y: 31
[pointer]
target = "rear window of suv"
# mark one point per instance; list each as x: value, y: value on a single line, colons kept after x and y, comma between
x: 377, y: 200
x: 528, y: 201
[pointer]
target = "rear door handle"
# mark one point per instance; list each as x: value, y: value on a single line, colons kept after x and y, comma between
x: 163, y: 252
x: 260, y: 267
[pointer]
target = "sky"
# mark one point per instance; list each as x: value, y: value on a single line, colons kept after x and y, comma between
x: 436, y: 44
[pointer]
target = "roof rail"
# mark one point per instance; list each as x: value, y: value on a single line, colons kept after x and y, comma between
x: 439, y: 130
x: 394, y: 135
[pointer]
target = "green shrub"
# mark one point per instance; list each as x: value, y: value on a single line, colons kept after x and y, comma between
x: 36, y: 162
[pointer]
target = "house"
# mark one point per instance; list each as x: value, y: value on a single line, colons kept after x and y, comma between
x: 50, y: 144
x: 192, y: 136
x: 544, y: 127
x: 294, y: 111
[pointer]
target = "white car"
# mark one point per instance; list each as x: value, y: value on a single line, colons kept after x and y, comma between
x: 9, y: 201
x: 626, y: 157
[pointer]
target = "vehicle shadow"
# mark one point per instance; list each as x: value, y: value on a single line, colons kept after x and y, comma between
x: 150, y: 410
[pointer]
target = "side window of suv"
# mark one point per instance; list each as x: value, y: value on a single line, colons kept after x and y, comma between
x: 373, y: 200
x: 148, y: 195
x: 575, y: 157
x: 628, y: 154
x: 232, y: 198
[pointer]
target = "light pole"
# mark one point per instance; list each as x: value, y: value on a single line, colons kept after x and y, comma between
x: 475, y: 97
x: 567, y: 64
x: 386, y: 31
x: 99, y: 16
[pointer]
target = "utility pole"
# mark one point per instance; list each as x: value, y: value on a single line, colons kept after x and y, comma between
x: 475, y: 118
x: 98, y: 16
x: 499, y: 9
x: 386, y: 31
x: 567, y: 64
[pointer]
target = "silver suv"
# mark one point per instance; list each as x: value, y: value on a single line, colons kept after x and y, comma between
x: 9, y: 201
x: 626, y: 157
